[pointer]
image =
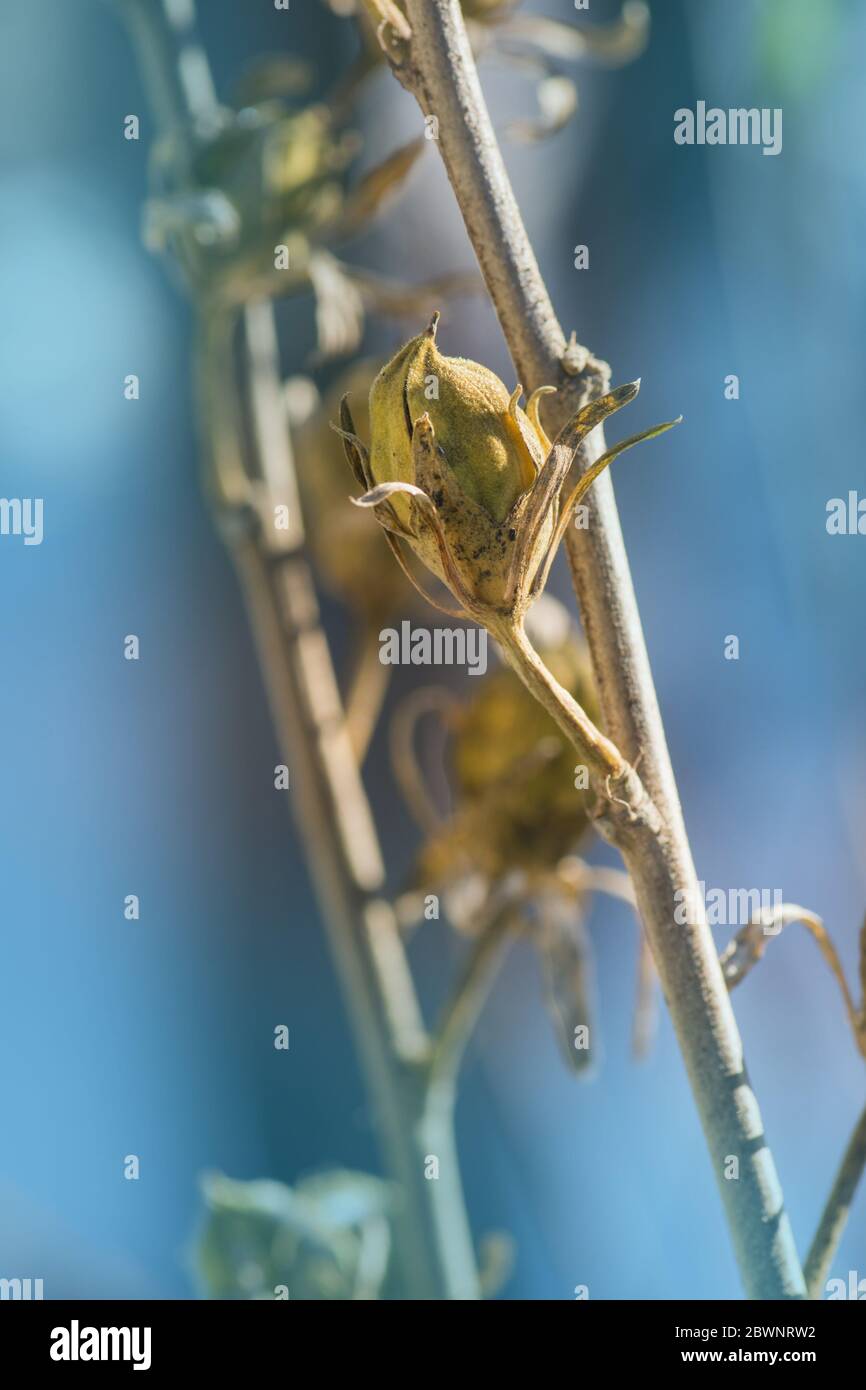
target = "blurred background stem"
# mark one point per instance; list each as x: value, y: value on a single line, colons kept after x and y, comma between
x: 835, y: 1214
x: 367, y: 690
x: 249, y: 471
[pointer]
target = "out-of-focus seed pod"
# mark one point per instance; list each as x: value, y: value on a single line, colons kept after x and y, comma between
x: 265, y: 177
x: 517, y: 805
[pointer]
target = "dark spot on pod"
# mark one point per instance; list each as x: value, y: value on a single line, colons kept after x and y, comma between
x: 512, y: 534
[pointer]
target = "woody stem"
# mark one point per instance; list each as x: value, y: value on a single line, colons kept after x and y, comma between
x: 438, y: 67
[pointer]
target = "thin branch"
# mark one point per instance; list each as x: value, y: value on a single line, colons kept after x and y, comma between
x: 407, y: 770
x: 581, y: 877
x: 336, y: 825
x: 502, y: 920
x: 436, y: 64
x: 247, y: 472
x: 367, y: 690
x: 595, y: 878
x: 835, y: 1214
x: 645, y: 1018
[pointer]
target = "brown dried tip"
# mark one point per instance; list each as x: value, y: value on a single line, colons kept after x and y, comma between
x: 430, y: 330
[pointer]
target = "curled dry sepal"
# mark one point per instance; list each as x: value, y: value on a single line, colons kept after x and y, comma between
x: 542, y: 47
x: 745, y: 949
x: 469, y: 480
x: 348, y: 552
x: 534, y: 44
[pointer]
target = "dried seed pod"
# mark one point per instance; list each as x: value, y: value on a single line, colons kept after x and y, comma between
x: 492, y: 448
x: 469, y: 480
x: 448, y: 440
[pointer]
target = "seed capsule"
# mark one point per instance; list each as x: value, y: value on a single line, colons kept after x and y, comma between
x: 469, y: 480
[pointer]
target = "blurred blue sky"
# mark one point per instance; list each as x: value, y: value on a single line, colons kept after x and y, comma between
x: 154, y: 778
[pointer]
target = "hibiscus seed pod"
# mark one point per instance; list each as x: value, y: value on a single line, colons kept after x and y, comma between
x: 469, y: 480
x: 455, y: 457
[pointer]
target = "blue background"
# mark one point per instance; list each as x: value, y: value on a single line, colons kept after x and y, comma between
x: 155, y: 778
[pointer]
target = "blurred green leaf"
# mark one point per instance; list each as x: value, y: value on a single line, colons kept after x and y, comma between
x: 328, y: 1237
x: 797, y: 41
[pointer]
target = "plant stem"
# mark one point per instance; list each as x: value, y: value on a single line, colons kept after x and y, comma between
x: 334, y: 818
x: 438, y: 67
x: 471, y: 990
x: 368, y: 687
x: 729, y: 1110
x: 415, y: 1117
x: 835, y: 1213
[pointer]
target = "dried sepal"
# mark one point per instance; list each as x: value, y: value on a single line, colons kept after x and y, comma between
x: 744, y: 951
x: 355, y: 449
x: 424, y: 519
x: 394, y: 544
x: 532, y: 410
x: 568, y: 971
x: 351, y: 561
x: 366, y: 199
x: 338, y: 307
x: 390, y: 25
x: 581, y: 879
x: 585, y: 482
x: 541, y: 503
x: 400, y: 300
x: 558, y: 463
x: 557, y: 102
x: 613, y: 44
